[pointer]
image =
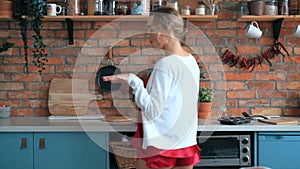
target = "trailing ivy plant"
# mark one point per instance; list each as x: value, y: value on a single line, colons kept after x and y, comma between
x: 6, y: 46
x: 32, y: 11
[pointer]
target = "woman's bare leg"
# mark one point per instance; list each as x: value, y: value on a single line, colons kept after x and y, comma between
x: 141, y: 164
x: 184, y: 167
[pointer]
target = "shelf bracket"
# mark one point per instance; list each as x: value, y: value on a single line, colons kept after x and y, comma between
x: 185, y: 22
x: 276, y: 29
x: 70, y: 31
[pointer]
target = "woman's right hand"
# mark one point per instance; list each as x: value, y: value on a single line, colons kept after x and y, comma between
x: 116, y: 78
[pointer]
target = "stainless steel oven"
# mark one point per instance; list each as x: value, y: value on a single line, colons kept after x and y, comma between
x: 226, y: 149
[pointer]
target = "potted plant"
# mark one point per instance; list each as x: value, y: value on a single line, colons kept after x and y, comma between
x: 205, y: 101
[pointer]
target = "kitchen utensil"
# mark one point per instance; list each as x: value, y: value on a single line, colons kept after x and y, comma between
x: 248, y: 115
x: 279, y: 121
x: 69, y: 97
x: 234, y: 120
x: 108, y: 70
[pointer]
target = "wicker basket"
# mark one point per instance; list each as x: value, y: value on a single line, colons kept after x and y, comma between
x: 124, y: 154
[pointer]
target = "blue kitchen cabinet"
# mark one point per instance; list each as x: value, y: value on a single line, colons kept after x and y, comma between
x: 279, y: 150
x: 59, y: 150
x: 16, y: 150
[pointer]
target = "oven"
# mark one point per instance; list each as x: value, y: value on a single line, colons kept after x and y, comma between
x: 225, y: 149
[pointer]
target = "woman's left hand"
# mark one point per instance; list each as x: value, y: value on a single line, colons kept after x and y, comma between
x: 116, y: 78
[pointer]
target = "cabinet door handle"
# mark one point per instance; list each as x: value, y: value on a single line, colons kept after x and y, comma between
x: 23, y: 143
x: 42, y: 144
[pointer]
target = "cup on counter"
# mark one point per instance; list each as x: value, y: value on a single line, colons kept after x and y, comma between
x: 297, y: 31
x: 253, y: 31
x: 53, y: 9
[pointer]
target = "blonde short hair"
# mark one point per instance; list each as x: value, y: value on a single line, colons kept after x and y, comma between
x: 170, y: 21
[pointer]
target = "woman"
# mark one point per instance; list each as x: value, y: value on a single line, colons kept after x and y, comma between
x: 168, y: 104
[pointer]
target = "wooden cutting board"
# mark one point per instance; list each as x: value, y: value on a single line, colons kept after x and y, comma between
x: 280, y: 121
x: 116, y: 119
x: 69, y: 97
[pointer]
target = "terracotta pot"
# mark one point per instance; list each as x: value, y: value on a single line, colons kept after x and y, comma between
x: 6, y: 5
x: 204, y: 109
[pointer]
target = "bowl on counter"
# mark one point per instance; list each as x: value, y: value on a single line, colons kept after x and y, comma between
x: 4, y: 112
x: 258, y: 167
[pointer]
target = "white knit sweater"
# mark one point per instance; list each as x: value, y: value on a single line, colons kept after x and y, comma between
x: 169, y: 102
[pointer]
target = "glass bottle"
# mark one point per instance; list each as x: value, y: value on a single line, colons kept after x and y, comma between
x: 156, y: 4
x: 145, y: 7
x: 73, y: 7
x: 271, y: 7
x: 243, y: 8
x: 285, y: 7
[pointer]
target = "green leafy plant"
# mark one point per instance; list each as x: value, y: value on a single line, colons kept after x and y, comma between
x: 205, y: 95
x: 32, y: 11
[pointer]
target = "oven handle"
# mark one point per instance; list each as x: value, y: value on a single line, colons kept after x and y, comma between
x: 202, y: 139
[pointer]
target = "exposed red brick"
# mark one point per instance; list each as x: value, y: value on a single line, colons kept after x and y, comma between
x: 230, y: 86
x: 254, y: 102
x: 261, y: 85
x: 294, y: 85
x: 285, y: 103
x: 11, y: 86
x: 21, y: 111
x: 267, y: 111
x: 272, y: 94
x: 239, y: 76
x: 248, y: 49
x: 292, y: 111
x: 241, y: 94
x: 236, y: 111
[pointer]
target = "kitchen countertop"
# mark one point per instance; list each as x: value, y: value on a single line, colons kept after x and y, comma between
x: 43, y: 124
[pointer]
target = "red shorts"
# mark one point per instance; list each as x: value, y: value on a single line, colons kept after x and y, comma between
x: 159, y: 161
x: 157, y: 158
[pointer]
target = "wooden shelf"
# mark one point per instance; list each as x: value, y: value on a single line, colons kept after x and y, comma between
x: 200, y: 17
x: 97, y: 18
x: 115, y: 17
x: 268, y: 18
x: 125, y: 18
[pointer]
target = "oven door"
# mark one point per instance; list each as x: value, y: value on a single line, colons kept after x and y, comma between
x: 223, y: 150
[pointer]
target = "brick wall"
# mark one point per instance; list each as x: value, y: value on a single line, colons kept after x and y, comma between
x: 267, y: 90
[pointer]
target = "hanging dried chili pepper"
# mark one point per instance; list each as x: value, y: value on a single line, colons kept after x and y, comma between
x: 249, y: 63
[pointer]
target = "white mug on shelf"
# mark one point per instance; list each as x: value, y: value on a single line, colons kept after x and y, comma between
x: 52, y: 9
x: 253, y: 31
x: 297, y: 31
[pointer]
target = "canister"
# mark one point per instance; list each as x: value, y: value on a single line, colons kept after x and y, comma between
x: 200, y: 10
x: 271, y: 7
x: 73, y: 7
x: 186, y: 10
